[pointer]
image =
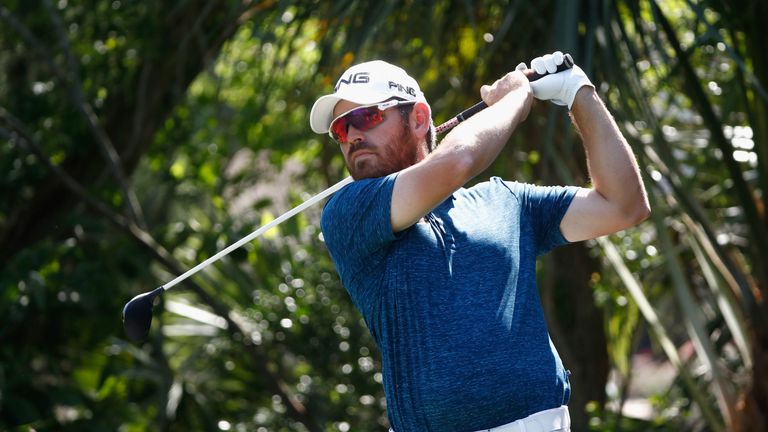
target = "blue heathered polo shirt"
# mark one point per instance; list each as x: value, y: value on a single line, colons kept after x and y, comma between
x: 452, y: 301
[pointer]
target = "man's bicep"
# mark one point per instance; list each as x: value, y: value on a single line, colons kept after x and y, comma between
x: 355, y: 221
x: 590, y: 216
x: 420, y: 188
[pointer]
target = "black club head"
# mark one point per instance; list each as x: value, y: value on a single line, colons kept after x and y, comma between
x: 137, y: 315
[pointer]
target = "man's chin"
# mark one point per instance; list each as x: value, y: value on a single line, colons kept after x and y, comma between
x: 365, y: 175
x: 367, y: 172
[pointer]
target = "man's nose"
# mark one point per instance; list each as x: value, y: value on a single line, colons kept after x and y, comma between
x: 354, y: 134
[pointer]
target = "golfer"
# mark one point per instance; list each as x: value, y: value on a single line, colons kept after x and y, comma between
x: 445, y: 276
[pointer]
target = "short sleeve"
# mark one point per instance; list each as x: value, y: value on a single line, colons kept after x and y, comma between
x: 545, y: 207
x: 356, y: 225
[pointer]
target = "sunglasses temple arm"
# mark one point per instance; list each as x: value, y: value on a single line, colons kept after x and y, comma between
x: 476, y: 108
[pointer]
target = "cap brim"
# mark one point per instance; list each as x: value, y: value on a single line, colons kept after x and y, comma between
x: 321, y: 115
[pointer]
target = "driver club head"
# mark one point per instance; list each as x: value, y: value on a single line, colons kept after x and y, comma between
x: 137, y: 314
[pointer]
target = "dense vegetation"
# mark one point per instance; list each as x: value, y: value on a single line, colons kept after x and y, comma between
x: 137, y: 138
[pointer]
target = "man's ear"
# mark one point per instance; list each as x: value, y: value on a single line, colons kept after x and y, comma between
x: 421, y: 117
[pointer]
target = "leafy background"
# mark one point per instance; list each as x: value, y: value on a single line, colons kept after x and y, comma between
x: 139, y: 138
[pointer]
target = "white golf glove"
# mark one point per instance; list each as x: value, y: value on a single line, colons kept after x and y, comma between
x: 561, y: 87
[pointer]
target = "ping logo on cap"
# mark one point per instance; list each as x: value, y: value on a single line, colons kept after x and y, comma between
x: 365, y: 78
x: 402, y: 89
x: 357, y: 78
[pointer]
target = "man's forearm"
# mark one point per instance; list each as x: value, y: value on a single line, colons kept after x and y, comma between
x: 482, y: 137
x: 612, y: 165
x: 469, y: 149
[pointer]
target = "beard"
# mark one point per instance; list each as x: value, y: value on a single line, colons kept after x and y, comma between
x: 397, y: 154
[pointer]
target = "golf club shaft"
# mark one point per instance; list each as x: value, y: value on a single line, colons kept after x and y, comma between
x: 450, y: 124
x: 280, y: 219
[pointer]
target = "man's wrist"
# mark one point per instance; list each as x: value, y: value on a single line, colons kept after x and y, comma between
x: 583, y: 95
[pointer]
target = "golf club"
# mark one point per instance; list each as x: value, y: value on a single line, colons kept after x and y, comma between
x: 137, y: 313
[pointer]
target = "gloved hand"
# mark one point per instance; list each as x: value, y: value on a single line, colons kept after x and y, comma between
x: 561, y: 87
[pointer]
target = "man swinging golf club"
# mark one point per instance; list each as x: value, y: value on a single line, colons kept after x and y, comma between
x: 445, y: 276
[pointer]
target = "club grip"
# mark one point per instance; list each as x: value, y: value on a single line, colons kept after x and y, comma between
x: 565, y: 65
x: 469, y: 112
x: 476, y: 108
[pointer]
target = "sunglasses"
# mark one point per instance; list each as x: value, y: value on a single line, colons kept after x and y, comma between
x: 362, y: 118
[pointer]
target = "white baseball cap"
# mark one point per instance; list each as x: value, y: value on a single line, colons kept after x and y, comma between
x: 365, y: 83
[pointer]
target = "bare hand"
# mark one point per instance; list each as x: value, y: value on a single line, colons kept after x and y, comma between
x: 512, y: 82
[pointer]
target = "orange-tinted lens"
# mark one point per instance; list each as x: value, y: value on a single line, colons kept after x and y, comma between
x: 362, y: 119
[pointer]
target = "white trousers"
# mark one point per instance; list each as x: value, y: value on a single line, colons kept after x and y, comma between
x: 551, y: 420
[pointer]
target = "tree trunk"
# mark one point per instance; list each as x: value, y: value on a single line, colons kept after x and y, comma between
x: 576, y: 326
x: 753, y: 403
